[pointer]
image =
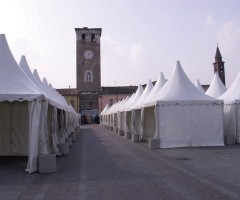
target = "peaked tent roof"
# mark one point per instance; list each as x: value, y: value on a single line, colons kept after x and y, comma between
x: 179, y: 89
x: 233, y: 93
x: 158, y: 85
x: 23, y: 64
x: 143, y: 96
x: 126, y: 102
x: 15, y: 85
x: 216, y: 88
x: 106, y: 108
x: 199, y: 86
x: 135, y: 98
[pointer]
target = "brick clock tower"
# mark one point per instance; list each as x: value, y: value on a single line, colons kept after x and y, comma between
x: 88, y: 69
x: 218, y: 66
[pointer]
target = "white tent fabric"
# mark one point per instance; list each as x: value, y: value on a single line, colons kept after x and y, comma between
x: 158, y: 85
x: 102, y: 114
x: 144, y: 95
x: 15, y: 84
x: 180, y: 88
x: 183, y: 116
x: 16, y: 87
x: 152, y: 97
x: 199, y: 86
x: 216, y: 88
x: 121, y: 113
x: 49, y: 121
x: 25, y: 67
x: 128, y: 109
x: 232, y: 112
x: 136, y: 109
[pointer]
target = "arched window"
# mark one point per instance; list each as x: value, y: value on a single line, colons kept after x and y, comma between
x: 88, y: 76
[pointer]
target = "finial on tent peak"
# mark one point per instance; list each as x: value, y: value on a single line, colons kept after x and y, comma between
x: 2, y: 36
x: 178, y: 63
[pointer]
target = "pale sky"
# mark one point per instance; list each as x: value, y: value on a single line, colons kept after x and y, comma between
x: 140, y: 38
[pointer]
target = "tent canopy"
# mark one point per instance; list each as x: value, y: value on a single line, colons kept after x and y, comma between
x: 15, y: 85
x: 158, y: 85
x: 216, y: 88
x: 179, y: 89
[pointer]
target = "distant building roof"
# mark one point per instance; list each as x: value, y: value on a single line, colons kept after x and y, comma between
x: 68, y: 91
x: 104, y: 90
x: 118, y: 90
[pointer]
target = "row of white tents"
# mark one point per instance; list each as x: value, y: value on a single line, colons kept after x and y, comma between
x: 34, y: 117
x: 178, y: 113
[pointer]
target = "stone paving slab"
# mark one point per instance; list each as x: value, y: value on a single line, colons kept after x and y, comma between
x: 103, y: 165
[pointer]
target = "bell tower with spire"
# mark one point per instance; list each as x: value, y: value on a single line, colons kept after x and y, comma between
x: 218, y: 66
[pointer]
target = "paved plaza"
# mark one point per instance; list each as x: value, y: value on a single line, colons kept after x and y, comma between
x: 103, y: 165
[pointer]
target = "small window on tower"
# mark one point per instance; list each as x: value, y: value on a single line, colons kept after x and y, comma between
x: 93, y: 37
x: 83, y: 37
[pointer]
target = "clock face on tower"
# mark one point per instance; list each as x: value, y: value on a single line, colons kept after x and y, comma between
x: 88, y: 54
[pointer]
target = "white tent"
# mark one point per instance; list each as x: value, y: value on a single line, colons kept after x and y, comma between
x: 199, y: 86
x: 136, y: 109
x: 158, y: 85
x: 216, y: 88
x: 128, y: 109
x: 183, y: 116
x: 232, y: 112
x: 121, y: 114
x: 22, y: 108
x: 152, y: 97
x: 102, y: 114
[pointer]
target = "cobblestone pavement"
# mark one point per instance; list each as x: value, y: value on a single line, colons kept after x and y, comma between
x: 103, y: 165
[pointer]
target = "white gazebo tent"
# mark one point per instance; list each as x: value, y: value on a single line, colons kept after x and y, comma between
x: 128, y: 109
x: 121, y: 115
x: 232, y: 112
x: 152, y: 97
x: 183, y: 116
x: 22, y: 108
x: 136, y: 109
x: 216, y: 88
x: 102, y: 115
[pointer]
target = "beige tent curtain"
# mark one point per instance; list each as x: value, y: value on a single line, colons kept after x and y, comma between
x: 14, y: 128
